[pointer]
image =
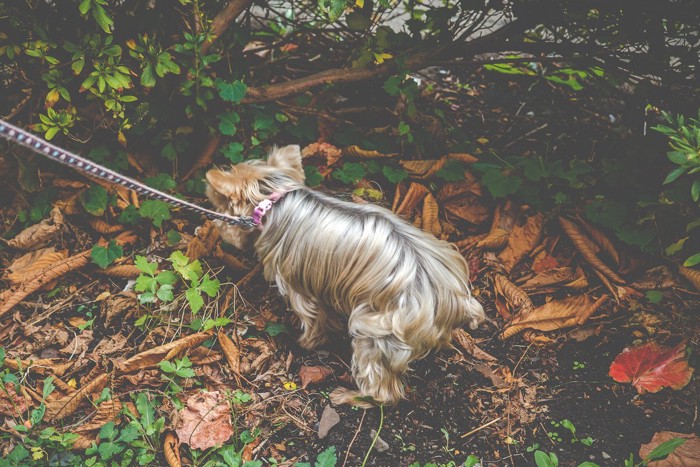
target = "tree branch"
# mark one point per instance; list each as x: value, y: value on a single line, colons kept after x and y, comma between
x: 223, y: 20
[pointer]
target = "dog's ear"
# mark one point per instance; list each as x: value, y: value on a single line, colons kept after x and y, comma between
x: 288, y: 158
x: 220, y: 181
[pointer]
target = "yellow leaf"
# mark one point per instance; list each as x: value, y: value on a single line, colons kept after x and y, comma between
x: 73, y: 383
x: 360, y: 3
x: 482, y: 140
x: 290, y: 385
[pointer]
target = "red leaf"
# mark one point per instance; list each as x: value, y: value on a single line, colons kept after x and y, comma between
x: 651, y: 367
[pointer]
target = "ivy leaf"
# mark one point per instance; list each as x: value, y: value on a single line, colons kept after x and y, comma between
x: 394, y: 175
x: 156, y: 210
x: 194, y: 298
x: 654, y: 296
x: 312, y: 175
x: 227, y: 123
x: 452, y: 171
x: 104, y: 256
x: 274, y: 329
x: 231, y: 92
x: 233, y: 152
x: 94, y: 200
x: 500, y: 185
x: 350, y: 173
x: 130, y: 215
x: 162, y: 181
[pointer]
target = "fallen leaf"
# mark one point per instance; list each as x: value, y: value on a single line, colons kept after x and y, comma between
x: 30, y: 264
x: 107, y: 411
x: 468, y: 208
x: 356, y: 151
x: 329, y: 419
x: 550, y: 278
x: 205, y: 421
x: 405, y: 203
x: 651, y: 367
x: 692, y: 275
x: 65, y: 406
x: 231, y: 352
x: 601, y: 240
x: 12, y: 403
x: 313, y: 374
x: 152, y: 357
x: 685, y: 455
x: 231, y: 262
x: 468, y: 343
x: 205, y: 156
x: 103, y: 227
x: 557, y: 314
x: 517, y: 297
x: 495, y: 240
x: 585, y: 246
x: 469, y: 186
x: 38, y: 235
x: 171, y: 450
x: 545, y: 263
x: 122, y: 271
x: 203, y: 242
x: 521, y: 241
x: 423, y: 168
x: 430, y: 221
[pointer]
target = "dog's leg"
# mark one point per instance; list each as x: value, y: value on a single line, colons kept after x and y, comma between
x: 315, y: 322
x: 378, y: 364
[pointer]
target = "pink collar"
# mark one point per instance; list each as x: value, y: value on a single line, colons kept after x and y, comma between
x: 264, y: 206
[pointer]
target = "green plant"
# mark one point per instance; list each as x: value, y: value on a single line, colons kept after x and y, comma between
x: 326, y: 458
x: 565, y: 423
x: 659, y: 453
x: 174, y: 372
x: 103, y: 256
x: 546, y: 459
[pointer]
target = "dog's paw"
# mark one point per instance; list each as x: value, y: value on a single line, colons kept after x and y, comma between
x: 355, y: 398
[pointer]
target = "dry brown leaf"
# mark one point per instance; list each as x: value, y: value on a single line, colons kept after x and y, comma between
x: 152, y: 357
x: 583, y: 246
x: 122, y: 271
x: 600, y: 239
x: 355, y: 151
x: 327, y: 151
x: 119, y: 305
x: 70, y: 206
x: 692, y: 275
x: 468, y: 208
x: 205, y: 421
x: 516, y: 296
x: 468, y: 343
x: 229, y: 260
x: 537, y: 338
x: 107, y: 411
x: 521, y: 241
x: 462, y: 157
x: 313, y: 375
x: 423, y: 168
x: 201, y: 245
x: 415, y: 194
x: 65, y: 406
x: 171, y: 450
x: 38, y: 235
x: 13, y: 403
x: 685, y: 455
x: 549, y: 278
x: 205, y: 157
x: 468, y: 186
x: 103, y: 227
x: 46, y: 275
x: 557, y: 314
x: 430, y: 222
x: 43, y: 366
x: 495, y: 240
x: 30, y: 264
x: 231, y: 352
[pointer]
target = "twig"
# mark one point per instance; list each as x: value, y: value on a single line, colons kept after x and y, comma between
x: 357, y: 432
x: 485, y: 425
x: 224, y: 18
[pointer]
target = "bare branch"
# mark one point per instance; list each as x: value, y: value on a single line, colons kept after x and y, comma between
x: 223, y: 20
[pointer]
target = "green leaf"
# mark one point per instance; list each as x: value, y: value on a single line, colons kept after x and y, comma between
x: 543, y: 460
x: 188, y: 270
x: 357, y: 21
x: 231, y: 92
x: 227, y: 123
x: 162, y: 181
x: 143, y: 265
x: 173, y: 237
x: 94, y: 200
x: 167, y: 367
x: 394, y: 175
x: 145, y: 284
x: 194, y: 298
x: 675, y: 247
x: 233, y: 152
x: 274, y: 329
x: 209, y: 286
x: 695, y: 190
x: 452, y: 171
x: 500, y: 185
x: 654, y: 296
x: 663, y: 450
x: 312, y: 175
x: 165, y: 293
x: 166, y: 278
x: 130, y: 215
x: 350, y: 173
x: 104, y: 256
x: 674, y: 174
x: 156, y: 210
x: 692, y: 261
x: 327, y: 458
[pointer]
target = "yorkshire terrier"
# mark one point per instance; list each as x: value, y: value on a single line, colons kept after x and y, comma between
x: 401, y: 290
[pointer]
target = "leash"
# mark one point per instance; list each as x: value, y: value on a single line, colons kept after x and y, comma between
x: 43, y: 147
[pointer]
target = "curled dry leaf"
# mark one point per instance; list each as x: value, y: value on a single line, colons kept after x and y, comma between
x: 122, y: 271
x: 516, y: 296
x: 430, y: 221
x: 423, y: 168
x: 495, y: 240
x: 30, y: 264
x: 205, y: 421
x: 231, y: 352
x: 38, y: 235
x: 550, y: 278
x: 107, y: 411
x: 65, y: 406
x: 685, y: 455
x: 404, y: 206
x: 467, y: 207
x: 469, y: 186
x: 171, y: 450
x: 521, y: 241
x: 46, y: 275
x: 202, y: 244
x: 557, y: 314
x: 600, y: 239
x: 42, y: 366
x: 462, y: 157
x: 356, y: 151
x: 313, y: 375
x: 152, y: 357
x: 468, y: 344
x: 692, y: 275
x: 119, y: 305
x: 651, y: 367
x: 585, y: 246
x: 70, y: 206
x: 103, y: 227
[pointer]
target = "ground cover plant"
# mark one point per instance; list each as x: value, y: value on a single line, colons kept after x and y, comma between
x: 555, y: 143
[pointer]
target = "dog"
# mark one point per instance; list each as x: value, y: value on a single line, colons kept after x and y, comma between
x: 400, y: 290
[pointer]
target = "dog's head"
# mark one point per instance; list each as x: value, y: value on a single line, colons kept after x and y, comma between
x: 238, y: 190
